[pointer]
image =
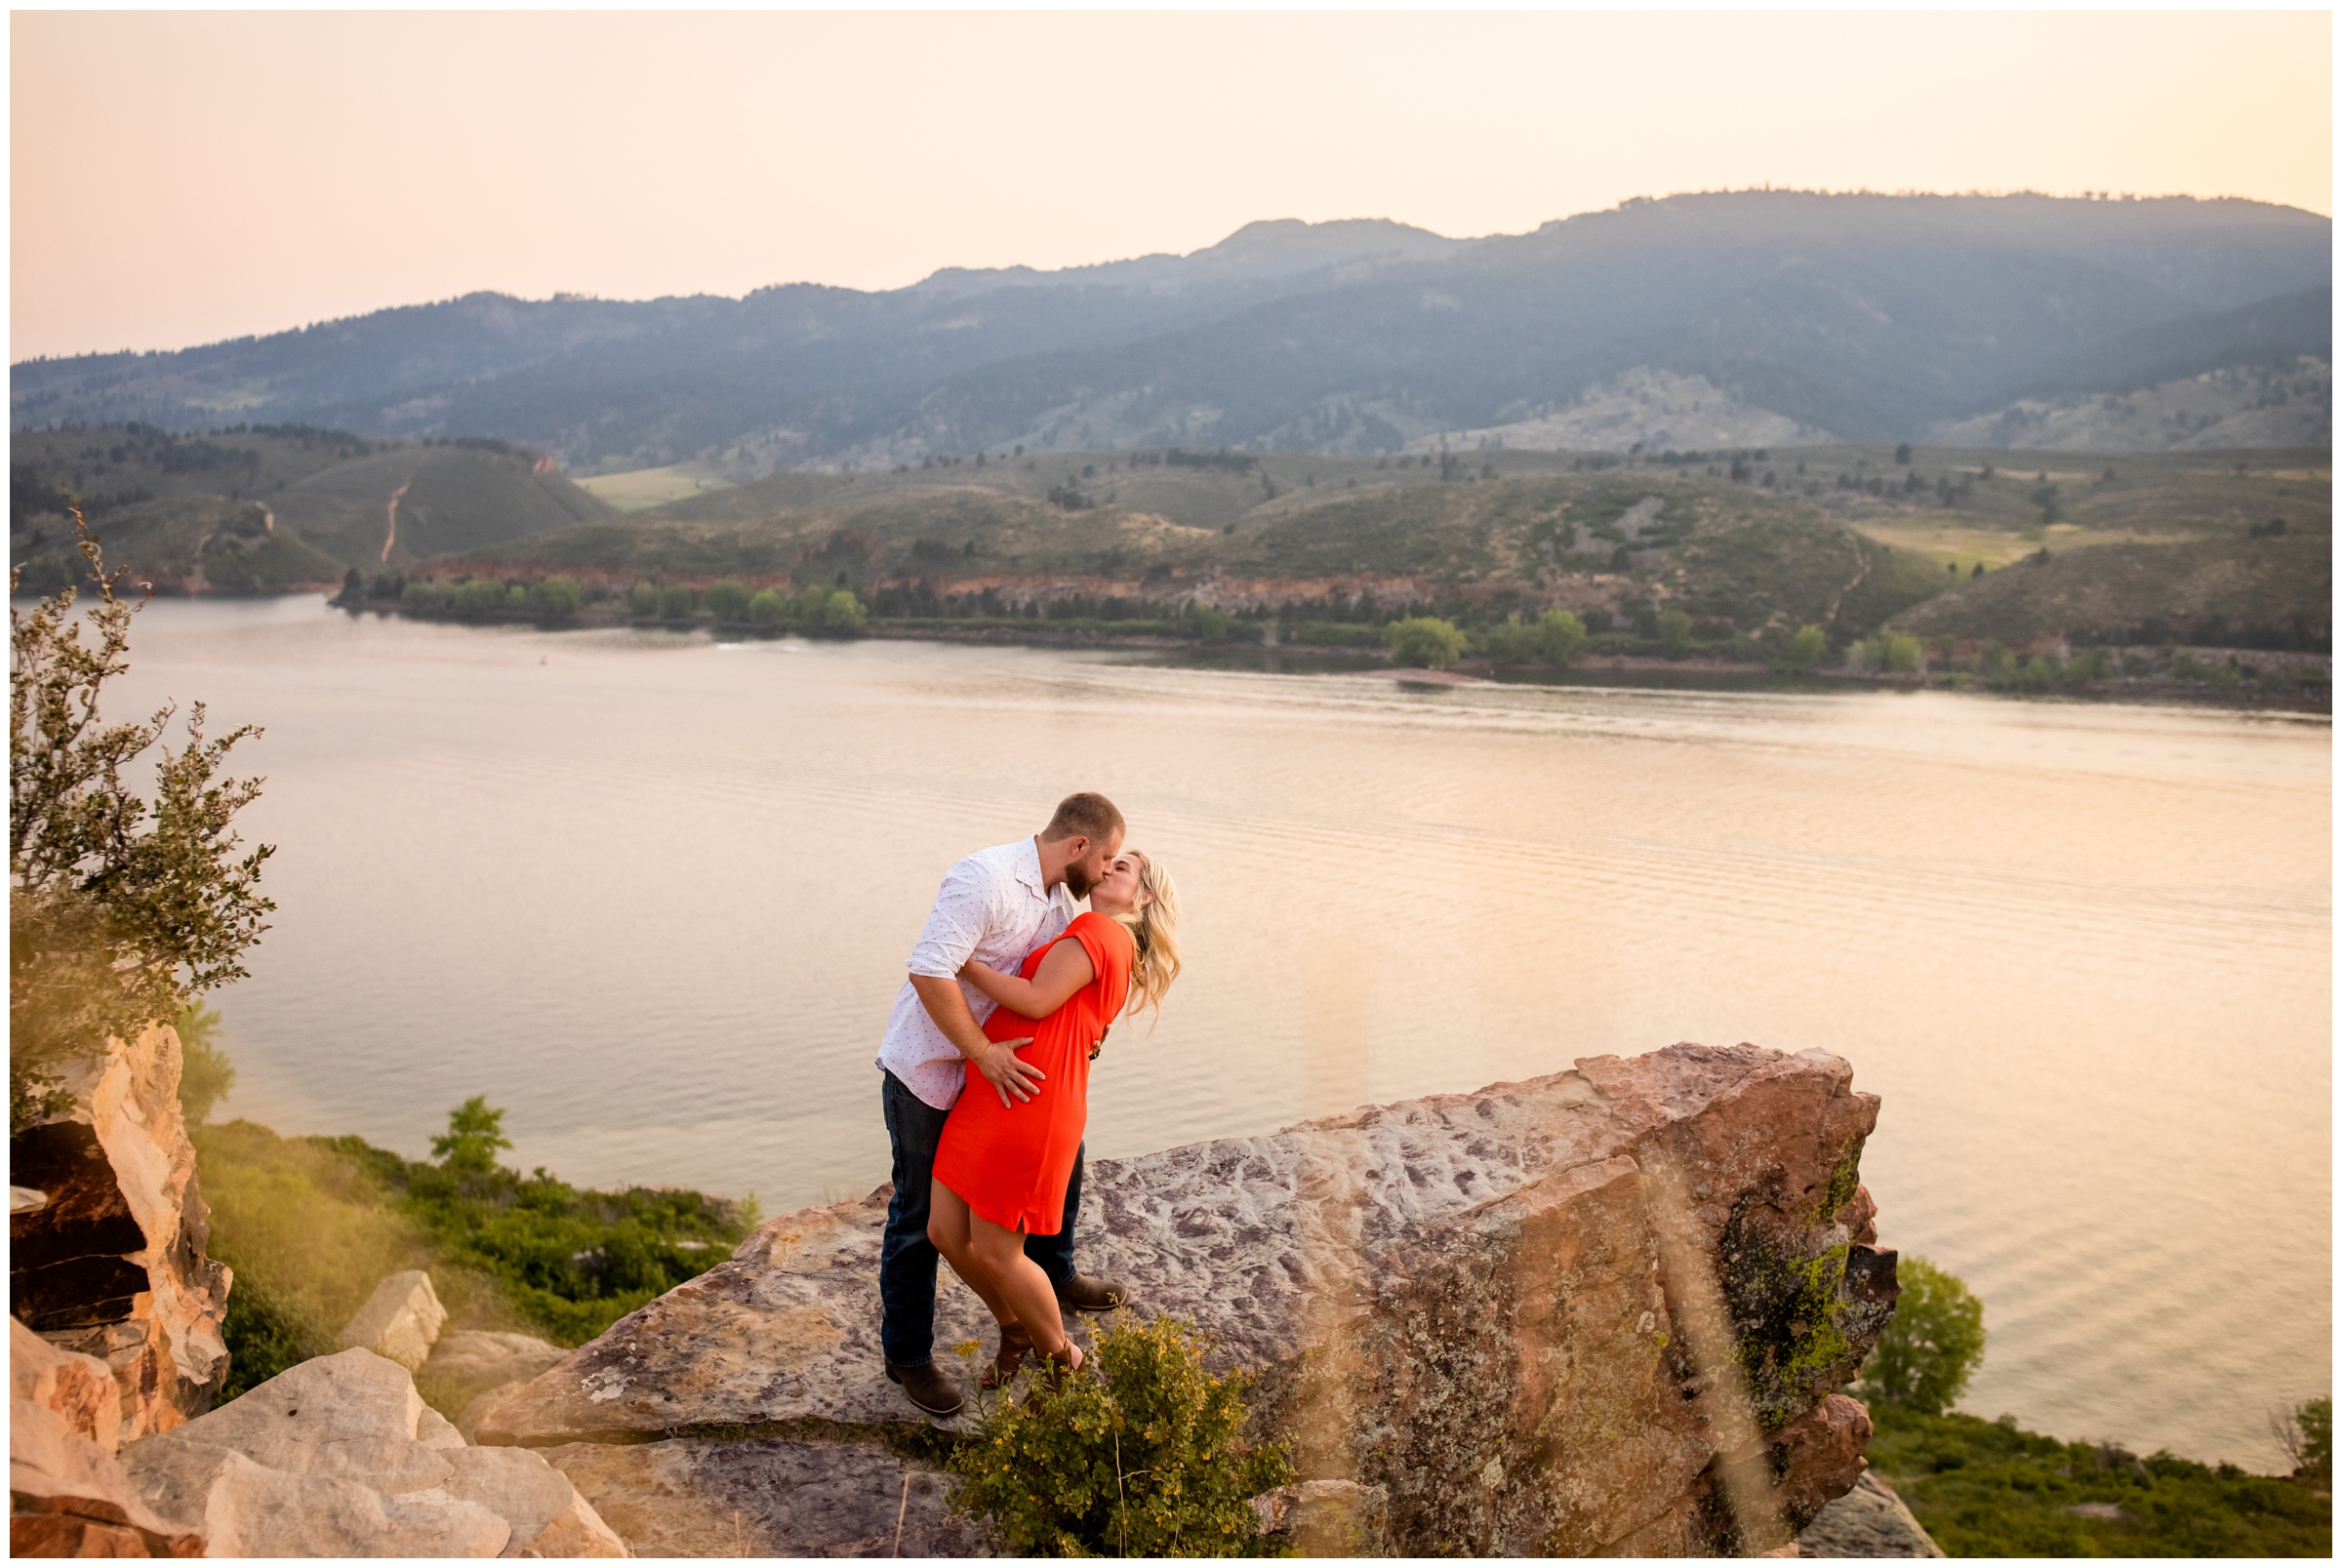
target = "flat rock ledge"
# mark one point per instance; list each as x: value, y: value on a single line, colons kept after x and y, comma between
x: 1598, y: 1312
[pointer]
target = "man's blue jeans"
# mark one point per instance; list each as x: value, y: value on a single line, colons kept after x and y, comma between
x: 907, y: 1258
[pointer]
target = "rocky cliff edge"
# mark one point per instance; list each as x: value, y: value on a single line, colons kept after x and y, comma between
x: 1601, y: 1312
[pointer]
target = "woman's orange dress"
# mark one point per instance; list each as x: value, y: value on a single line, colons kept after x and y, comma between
x: 1011, y: 1163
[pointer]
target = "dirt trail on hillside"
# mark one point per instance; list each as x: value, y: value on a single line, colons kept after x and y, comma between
x: 393, y: 538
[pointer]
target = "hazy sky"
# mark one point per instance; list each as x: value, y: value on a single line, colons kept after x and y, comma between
x: 179, y: 178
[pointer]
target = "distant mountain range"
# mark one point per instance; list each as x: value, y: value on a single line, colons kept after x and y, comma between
x: 1767, y: 318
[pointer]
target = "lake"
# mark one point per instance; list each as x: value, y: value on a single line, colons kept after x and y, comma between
x: 653, y: 895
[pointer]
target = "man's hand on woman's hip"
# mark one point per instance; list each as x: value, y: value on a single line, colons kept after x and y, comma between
x: 1006, y: 1071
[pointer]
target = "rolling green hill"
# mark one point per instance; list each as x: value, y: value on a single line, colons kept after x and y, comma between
x: 267, y: 510
x: 1749, y: 544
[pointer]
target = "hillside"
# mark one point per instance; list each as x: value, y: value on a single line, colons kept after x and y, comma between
x: 268, y: 511
x: 1810, y: 317
x: 1750, y: 546
x: 2232, y: 592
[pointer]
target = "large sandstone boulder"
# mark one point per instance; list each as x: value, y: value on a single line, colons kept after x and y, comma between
x: 338, y: 1457
x: 111, y: 1263
x: 68, y: 1495
x: 1599, y: 1312
x: 400, y: 1321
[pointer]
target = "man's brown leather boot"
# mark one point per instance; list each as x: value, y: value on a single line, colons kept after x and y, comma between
x: 927, y: 1387
x: 1082, y: 1294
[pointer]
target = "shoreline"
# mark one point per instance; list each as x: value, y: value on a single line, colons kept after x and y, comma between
x: 1692, y: 673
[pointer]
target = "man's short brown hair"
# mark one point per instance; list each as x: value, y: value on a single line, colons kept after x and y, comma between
x: 1085, y: 814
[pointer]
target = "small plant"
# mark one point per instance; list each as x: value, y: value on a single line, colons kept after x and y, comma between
x: 1144, y: 1458
x: 1559, y: 636
x: 1675, y: 634
x: 1804, y: 651
x: 1932, y: 1346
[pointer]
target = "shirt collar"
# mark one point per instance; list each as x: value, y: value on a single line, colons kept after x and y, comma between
x: 1028, y: 868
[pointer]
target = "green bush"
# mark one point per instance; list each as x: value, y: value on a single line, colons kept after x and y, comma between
x: 516, y: 598
x: 205, y: 1075
x: 426, y: 597
x: 1210, y: 623
x: 1932, y: 1346
x: 1559, y: 636
x: 674, y: 604
x: 811, y: 603
x: 2041, y: 672
x: 1144, y: 1457
x: 1803, y: 654
x: 1508, y: 642
x: 642, y: 600
x: 556, y: 598
x: 843, y: 614
x: 1898, y: 653
x: 2185, y: 665
x: 482, y: 595
x: 1424, y: 642
x: 768, y: 608
x: 1675, y: 634
x: 728, y: 599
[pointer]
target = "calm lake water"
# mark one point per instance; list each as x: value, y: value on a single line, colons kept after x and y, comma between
x: 653, y: 895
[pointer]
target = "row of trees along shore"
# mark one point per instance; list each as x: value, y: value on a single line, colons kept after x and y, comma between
x: 1413, y: 635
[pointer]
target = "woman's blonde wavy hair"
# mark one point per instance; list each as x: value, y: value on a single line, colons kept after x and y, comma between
x: 1155, y: 934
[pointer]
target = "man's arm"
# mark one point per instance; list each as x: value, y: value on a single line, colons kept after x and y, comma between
x: 997, y: 1060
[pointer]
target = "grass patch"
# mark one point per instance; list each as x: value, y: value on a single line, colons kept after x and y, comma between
x: 641, y: 488
x: 1991, y: 1489
x: 311, y: 1224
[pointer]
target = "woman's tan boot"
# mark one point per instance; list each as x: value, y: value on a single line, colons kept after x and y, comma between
x: 1062, y: 1362
x: 1015, y: 1345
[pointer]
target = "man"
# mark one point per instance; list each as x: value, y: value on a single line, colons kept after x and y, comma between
x: 996, y: 906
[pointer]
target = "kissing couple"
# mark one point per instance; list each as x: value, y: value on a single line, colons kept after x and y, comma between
x: 986, y: 1072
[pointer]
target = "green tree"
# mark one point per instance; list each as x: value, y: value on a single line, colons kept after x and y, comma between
x: 1932, y: 1344
x: 812, y: 604
x: 1803, y: 654
x: 121, y: 911
x: 1559, y: 636
x: 1898, y: 653
x: 556, y: 598
x: 480, y: 597
x: 768, y: 608
x: 842, y: 614
x: 516, y: 597
x: 426, y: 597
x: 1146, y: 1459
x: 1425, y: 642
x: 642, y: 599
x: 1675, y: 634
x: 1209, y: 623
x: 728, y: 599
x: 1903, y: 453
x: 476, y: 1131
x: 674, y: 603
x: 2045, y: 496
x: 1508, y: 642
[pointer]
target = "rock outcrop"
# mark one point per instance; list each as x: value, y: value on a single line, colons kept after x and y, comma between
x: 67, y: 1495
x: 400, y: 1321
x: 1869, y: 1521
x: 110, y: 1264
x: 339, y: 1457
x: 1601, y: 1312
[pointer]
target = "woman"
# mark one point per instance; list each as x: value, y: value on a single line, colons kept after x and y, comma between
x: 1001, y: 1172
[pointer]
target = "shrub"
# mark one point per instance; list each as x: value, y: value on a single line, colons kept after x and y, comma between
x: 1425, y: 642
x: 1210, y: 622
x: 812, y: 604
x: 1675, y: 634
x: 1802, y: 652
x: 1898, y: 653
x: 480, y: 597
x: 1509, y: 642
x: 842, y: 613
x: 1559, y: 636
x: 2093, y: 665
x: 556, y: 598
x: 768, y: 608
x: 424, y: 596
x: 642, y: 599
x: 727, y: 601
x: 674, y: 604
x: 121, y: 911
x: 1932, y: 1346
x: 517, y: 598
x: 1145, y: 1458
x: 2041, y: 672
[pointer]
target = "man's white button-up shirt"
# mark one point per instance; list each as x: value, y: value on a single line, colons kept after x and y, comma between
x: 993, y: 908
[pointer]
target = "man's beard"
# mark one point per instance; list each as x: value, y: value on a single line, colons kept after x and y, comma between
x: 1077, y: 881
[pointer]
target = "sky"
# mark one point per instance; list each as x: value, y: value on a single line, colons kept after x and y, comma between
x: 182, y: 178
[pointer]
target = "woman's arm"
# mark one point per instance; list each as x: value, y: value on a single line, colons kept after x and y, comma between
x: 1065, y: 969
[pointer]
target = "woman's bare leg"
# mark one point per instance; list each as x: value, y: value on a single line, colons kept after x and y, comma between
x: 949, y: 1219
x: 1018, y: 1280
